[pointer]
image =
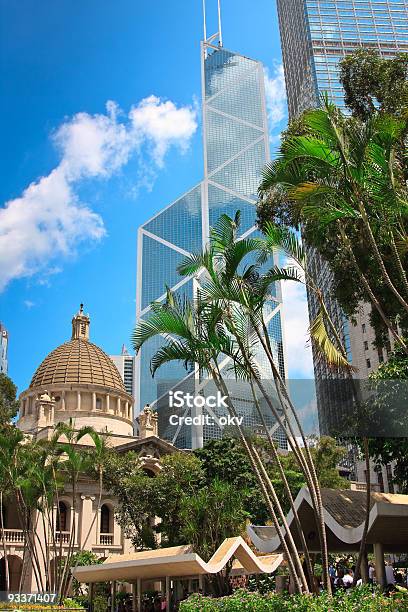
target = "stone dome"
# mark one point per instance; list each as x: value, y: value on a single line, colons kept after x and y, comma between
x: 78, y: 361
x: 77, y: 382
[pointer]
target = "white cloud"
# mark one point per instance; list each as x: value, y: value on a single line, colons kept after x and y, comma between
x: 29, y: 304
x: 48, y: 221
x: 163, y: 124
x: 296, y: 324
x: 275, y: 97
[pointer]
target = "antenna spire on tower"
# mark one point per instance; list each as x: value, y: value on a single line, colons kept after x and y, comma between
x: 219, y: 22
x: 217, y: 34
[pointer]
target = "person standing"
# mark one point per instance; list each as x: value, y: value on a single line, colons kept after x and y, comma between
x: 389, y: 574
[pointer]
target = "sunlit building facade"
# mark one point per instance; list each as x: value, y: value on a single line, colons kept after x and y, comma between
x: 126, y: 367
x: 236, y: 147
x: 315, y: 36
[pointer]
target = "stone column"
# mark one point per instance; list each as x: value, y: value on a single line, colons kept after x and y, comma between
x: 51, y: 415
x: 107, y: 402
x: 117, y: 532
x: 167, y: 593
x: 113, y: 596
x: 139, y: 595
x: 379, y: 564
x: 134, y: 597
x: 63, y: 400
x: 93, y: 400
x: 78, y: 400
x: 91, y: 595
x: 87, y: 515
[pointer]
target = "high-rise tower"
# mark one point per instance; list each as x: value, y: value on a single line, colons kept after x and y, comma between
x: 3, y: 349
x: 236, y: 147
x: 315, y: 36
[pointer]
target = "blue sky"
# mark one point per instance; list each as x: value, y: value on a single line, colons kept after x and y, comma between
x: 71, y: 200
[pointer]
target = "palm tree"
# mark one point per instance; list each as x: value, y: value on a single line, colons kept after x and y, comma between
x: 10, y: 438
x: 74, y: 462
x: 344, y: 172
x: 196, y: 335
x: 333, y: 351
x: 243, y: 291
x: 98, y: 456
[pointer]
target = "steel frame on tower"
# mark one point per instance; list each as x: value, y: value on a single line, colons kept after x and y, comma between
x: 236, y: 147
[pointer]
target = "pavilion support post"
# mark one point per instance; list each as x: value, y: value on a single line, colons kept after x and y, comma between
x: 134, y: 597
x: 167, y: 593
x: 201, y: 583
x: 139, y: 595
x: 113, y: 596
x: 91, y: 596
x: 364, y: 569
x: 379, y: 564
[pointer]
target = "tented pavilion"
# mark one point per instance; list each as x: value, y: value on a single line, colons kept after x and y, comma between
x: 171, y: 566
x: 344, y: 516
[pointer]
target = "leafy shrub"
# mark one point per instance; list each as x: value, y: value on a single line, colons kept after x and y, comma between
x: 72, y: 603
x: 68, y: 603
x: 100, y: 603
x: 357, y: 600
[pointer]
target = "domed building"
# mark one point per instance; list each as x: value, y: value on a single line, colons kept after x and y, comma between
x: 78, y: 381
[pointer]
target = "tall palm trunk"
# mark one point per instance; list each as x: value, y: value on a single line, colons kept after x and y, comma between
x: 379, y: 259
x: 286, y: 488
x: 361, y: 553
x: 370, y: 292
x: 400, y: 267
x: 305, y: 461
x: 3, y: 541
x: 254, y: 464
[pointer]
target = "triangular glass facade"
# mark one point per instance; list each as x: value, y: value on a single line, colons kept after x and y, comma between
x: 236, y: 147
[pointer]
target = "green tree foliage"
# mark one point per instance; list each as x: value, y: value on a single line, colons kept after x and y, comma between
x: 8, y: 401
x: 78, y: 559
x: 180, y: 478
x: 371, y: 82
x: 327, y: 455
x: 32, y: 476
x: 134, y: 490
x: 213, y: 514
x: 367, y: 79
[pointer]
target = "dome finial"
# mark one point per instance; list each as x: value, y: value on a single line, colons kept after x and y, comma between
x: 80, y: 325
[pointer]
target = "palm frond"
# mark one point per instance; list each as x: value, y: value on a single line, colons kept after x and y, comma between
x: 174, y: 350
x: 285, y: 239
x: 325, y: 346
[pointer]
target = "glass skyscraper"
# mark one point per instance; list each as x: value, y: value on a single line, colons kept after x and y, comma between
x: 236, y: 147
x: 3, y: 349
x: 315, y: 36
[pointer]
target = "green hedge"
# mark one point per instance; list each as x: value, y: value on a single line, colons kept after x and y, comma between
x: 68, y: 604
x: 356, y: 600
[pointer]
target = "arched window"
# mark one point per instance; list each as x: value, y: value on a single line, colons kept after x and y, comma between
x: 62, y: 517
x: 105, y: 519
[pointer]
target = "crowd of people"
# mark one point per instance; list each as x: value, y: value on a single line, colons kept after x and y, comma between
x: 342, y: 575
